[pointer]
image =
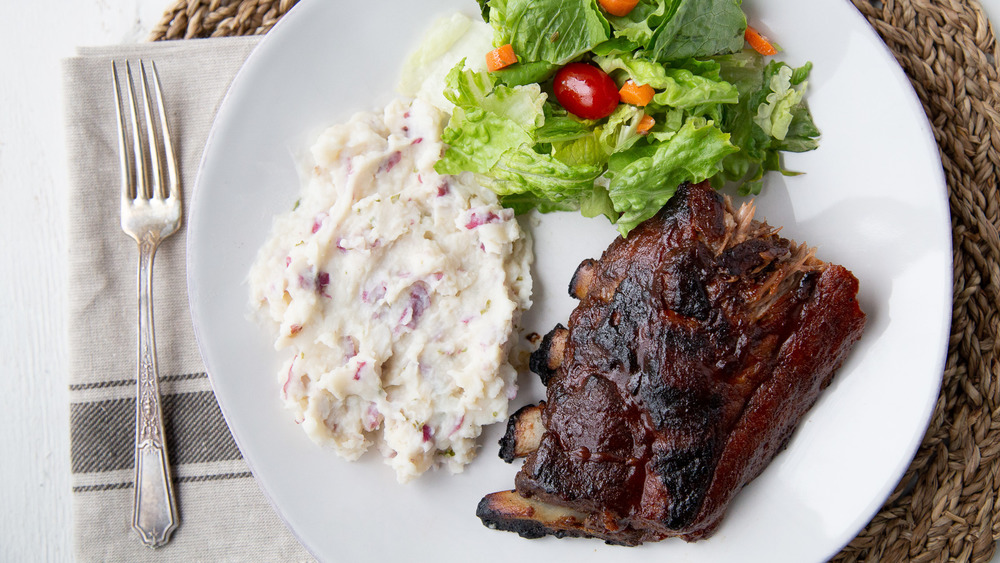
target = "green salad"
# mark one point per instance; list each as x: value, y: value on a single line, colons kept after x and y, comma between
x: 607, y: 114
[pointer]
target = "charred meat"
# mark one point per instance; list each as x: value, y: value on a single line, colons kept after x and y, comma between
x: 699, y: 343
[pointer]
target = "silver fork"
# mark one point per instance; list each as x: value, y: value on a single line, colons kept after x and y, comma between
x: 151, y: 211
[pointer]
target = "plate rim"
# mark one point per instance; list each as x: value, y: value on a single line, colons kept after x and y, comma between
x: 305, y: 7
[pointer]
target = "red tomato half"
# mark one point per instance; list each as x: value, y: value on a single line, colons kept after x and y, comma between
x: 585, y: 91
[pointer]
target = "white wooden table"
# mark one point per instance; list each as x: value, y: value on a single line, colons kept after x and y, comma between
x: 35, y: 521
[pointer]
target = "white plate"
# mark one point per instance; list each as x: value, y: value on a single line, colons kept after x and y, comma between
x: 873, y: 199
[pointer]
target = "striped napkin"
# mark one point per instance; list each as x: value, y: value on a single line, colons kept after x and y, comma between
x: 224, y: 516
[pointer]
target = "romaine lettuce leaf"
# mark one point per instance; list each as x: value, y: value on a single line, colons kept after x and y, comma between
x: 598, y: 202
x: 743, y: 69
x: 522, y: 170
x: 765, y: 90
x: 488, y: 120
x: 694, y: 84
x: 526, y: 201
x: 698, y: 28
x: 775, y: 114
x: 559, y: 130
x: 520, y: 104
x: 643, y: 181
x: 583, y: 151
x: 676, y: 29
x: 560, y: 126
x: 599, y: 142
x: 467, y: 88
x: 667, y: 124
x: 494, y: 131
x: 477, y: 89
x: 802, y: 134
x: 555, y: 31
x: 498, y: 21
x: 687, y: 90
x: 642, y: 71
x: 477, y: 139
x: 619, y: 133
x: 639, y: 25
x: 484, y: 8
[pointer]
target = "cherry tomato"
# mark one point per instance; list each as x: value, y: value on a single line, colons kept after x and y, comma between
x: 585, y: 91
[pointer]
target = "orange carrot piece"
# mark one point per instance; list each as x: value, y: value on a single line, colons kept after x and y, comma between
x: 500, y: 57
x: 618, y: 7
x: 759, y: 42
x: 636, y: 94
x: 645, y: 124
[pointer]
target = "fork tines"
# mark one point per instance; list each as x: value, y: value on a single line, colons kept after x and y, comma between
x: 146, y: 180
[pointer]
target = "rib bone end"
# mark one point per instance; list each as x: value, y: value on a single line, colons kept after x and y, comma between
x: 524, y: 433
x: 549, y: 355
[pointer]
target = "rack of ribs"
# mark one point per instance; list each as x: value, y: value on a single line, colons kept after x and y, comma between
x: 698, y: 344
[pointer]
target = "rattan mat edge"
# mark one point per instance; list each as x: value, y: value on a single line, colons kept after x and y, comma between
x: 945, y: 506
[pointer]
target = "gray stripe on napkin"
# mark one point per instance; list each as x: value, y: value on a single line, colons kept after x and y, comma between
x: 124, y: 382
x: 102, y: 432
x: 192, y: 479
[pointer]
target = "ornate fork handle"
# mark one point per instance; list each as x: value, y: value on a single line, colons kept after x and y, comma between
x: 154, y: 513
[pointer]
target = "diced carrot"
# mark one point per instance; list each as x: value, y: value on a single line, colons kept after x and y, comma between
x: 645, y: 124
x: 500, y: 57
x: 618, y: 7
x: 758, y: 42
x: 636, y: 94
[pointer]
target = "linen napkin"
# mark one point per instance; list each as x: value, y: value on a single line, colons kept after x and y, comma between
x: 223, y: 514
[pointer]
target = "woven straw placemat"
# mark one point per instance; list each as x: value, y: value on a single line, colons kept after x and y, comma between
x: 188, y: 19
x: 945, y: 506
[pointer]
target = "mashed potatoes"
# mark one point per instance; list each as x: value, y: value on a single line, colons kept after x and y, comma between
x: 397, y: 291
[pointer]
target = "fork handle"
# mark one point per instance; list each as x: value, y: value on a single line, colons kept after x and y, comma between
x: 154, y: 512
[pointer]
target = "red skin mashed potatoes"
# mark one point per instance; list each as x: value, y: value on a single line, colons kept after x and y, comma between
x: 395, y: 292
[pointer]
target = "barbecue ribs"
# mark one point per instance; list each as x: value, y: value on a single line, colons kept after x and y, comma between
x: 698, y: 344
